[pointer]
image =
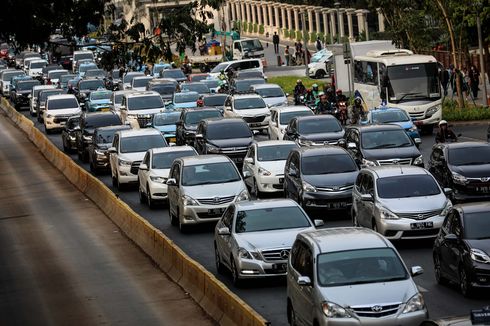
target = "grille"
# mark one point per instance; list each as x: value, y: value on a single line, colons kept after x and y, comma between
x: 254, y: 119
x: 234, y: 150
x: 278, y: 186
x: 61, y: 118
x: 216, y: 200
x: 376, y: 311
x: 135, y: 167
x: 402, y: 161
x: 144, y: 120
x: 420, y: 233
x: 208, y: 215
x: 276, y: 254
x: 419, y: 215
x: 335, y: 189
x: 417, y: 115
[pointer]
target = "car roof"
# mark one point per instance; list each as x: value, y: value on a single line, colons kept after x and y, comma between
x: 477, y: 207
x: 466, y: 144
x: 61, y: 97
x: 261, y: 204
x: 345, y: 238
x: 292, y: 108
x: 262, y: 86
x: 139, y: 132
x: 116, y: 127
x: 376, y: 127
x: 396, y: 170
x: 203, y: 159
x: 141, y: 94
x: 172, y: 149
x: 274, y: 143
x: 307, y: 151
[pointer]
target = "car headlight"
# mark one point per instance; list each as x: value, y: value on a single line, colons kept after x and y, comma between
x: 244, y: 254
x: 308, y: 188
x: 244, y: 195
x: 413, y: 128
x: 479, y: 256
x: 415, y: 303
x: 430, y: 112
x: 124, y: 162
x: 304, y: 142
x: 87, y: 138
x: 447, y: 207
x: 212, y: 149
x: 418, y: 160
x: 368, y: 162
x: 333, y: 310
x: 158, y: 179
x: 459, y: 179
x: 386, y: 214
x: 264, y: 172
x: 98, y: 152
x: 189, y: 201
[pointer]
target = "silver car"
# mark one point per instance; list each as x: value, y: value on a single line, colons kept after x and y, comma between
x: 400, y: 202
x: 253, y: 239
x: 351, y: 276
x: 200, y: 188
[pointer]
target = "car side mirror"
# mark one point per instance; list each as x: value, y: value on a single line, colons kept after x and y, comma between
x: 172, y: 182
x: 287, y: 94
x: 416, y: 270
x: 304, y: 281
x: 451, y: 237
x: 319, y: 223
x: 448, y: 191
x: 224, y: 231
x: 351, y: 146
x: 417, y: 141
x: 249, y: 160
x: 112, y: 150
x: 247, y: 174
x: 367, y: 197
x: 143, y: 167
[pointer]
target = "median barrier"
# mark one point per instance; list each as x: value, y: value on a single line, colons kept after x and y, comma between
x: 211, y: 294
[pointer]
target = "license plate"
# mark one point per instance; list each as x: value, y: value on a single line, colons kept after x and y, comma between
x: 215, y: 211
x: 279, y: 267
x: 421, y: 225
x: 337, y: 205
x: 483, y: 189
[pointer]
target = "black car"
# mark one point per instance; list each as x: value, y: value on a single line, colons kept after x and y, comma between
x: 85, y: 86
x: 216, y: 101
x: 187, y: 124
x: 463, y: 167
x: 228, y: 136
x: 20, y: 95
x: 383, y: 144
x: 243, y: 85
x: 88, y: 123
x: 320, y: 177
x: 41, y: 100
x: 176, y: 74
x: 68, y: 136
x: 462, y: 248
x: 315, y: 130
x: 98, y: 156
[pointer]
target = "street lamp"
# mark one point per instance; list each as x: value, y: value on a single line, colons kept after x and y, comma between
x: 479, y: 8
x: 337, y: 6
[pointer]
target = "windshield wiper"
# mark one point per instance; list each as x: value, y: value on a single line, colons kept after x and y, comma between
x: 202, y: 183
x: 407, y: 94
x: 228, y: 180
x: 384, y: 146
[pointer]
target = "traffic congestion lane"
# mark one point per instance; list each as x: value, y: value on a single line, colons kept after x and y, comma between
x: 267, y: 297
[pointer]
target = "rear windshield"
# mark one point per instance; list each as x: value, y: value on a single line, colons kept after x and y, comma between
x: 165, y: 160
x: 66, y: 103
x: 43, y: 94
x: 192, y: 118
x: 27, y: 85
x: 129, y: 78
x: 141, y: 82
x: 145, y: 102
x: 287, y: 116
x: 8, y: 75
x: 81, y: 56
x: 91, y: 85
x: 389, y: 116
x: 274, y: 153
x: 244, y: 85
x: 177, y: 74
x: 95, y: 73
x: 141, y: 143
x: 270, y: 92
x: 469, y: 156
x: 66, y: 78
x: 412, y: 186
x: 319, y: 126
x: 56, y: 74
x: 228, y: 131
x: 249, y: 103
x: 164, y: 89
x: 200, y: 88
x: 218, y: 100
x: 102, y: 121
x: 338, y: 163
x: 185, y: 98
x: 211, y: 83
x: 274, y: 218
x: 166, y: 119
x: 37, y: 65
x: 84, y: 68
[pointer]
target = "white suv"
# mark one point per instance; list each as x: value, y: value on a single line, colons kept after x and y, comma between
x: 249, y: 107
x: 137, y: 108
x: 58, y: 109
x: 127, y: 152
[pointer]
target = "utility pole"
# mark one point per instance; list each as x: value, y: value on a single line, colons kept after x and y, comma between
x: 480, y: 48
x: 337, y: 6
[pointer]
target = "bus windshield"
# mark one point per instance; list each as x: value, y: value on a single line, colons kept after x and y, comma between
x: 412, y: 82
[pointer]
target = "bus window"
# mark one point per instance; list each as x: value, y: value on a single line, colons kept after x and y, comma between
x: 366, y: 72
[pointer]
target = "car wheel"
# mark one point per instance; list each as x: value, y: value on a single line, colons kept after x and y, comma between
x: 182, y: 227
x: 319, y: 74
x: 151, y: 203
x: 291, y: 315
x: 119, y: 185
x: 437, y: 270
x: 234, y: 273
x: 464, y: 283
x: 255, y: 189
x: 114, y: 182
x: 141, y: 195
x: 219, y: 265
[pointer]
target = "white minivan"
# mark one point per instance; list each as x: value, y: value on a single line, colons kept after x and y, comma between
x: 237, y: 65
x: 319, y: 66
x: 58, y: 109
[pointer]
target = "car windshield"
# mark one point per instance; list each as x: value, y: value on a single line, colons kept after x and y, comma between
x: 158, y: 68
x: 327, y: 164
x: 270, y: 92
x: 420, y: 185
x: 95, y: 73
x: 469, y: 155
x: 56, y: 74
x: 385, y: 139
x: 196, y: 87
x: 7, y: 76
x: 96, y: 96
x: 166, y: 119
x: 141, y: 82
x: 361, y: 266
x: 66, y: 78
x: 228, y: 131
x: 27, y: 85
x: 318, y: 126
x: 65, y: 103
x: 252, y: 45
x: 477, y: 225
x: 177, y: 74
x: 86, y: 67
x: 212, y: 173
x: 136, y: 144
x: 242, y: 86
x: 268, y: 219
x: 285, y: 117
x: 145, y: 102
x: 215, y: 100
x: 165, y: 160
x: 163, y: 89
x: 38, y: 64
x: 186, y: 97
x: 91, y: 85
x: 102, y: 121
x: 249, y: 103
x: 192, y: 118
x: 274, y: 152
x: 43, y: 95
x: 81, y: 56
x: 220, y: 67
x: 198, y: 78
x: 390, y: 116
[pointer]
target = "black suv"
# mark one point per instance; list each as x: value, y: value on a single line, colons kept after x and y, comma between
x: 68, y: 134
x: 88, y: 123
x: 315, y: 130
x: 98, y: 155
x: 20, y: 95
x: 383, y: 144
x: 463, y: 167
x: 188, y: 121
x: 320, y: 177
x: 230, y: 137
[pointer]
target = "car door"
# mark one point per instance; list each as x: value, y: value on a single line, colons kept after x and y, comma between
x: 174, y: 191
x: 453, y: 254
x: 143, y: 175
x: 224, y: 243
x: 302, y: 265
x: 249, y: 168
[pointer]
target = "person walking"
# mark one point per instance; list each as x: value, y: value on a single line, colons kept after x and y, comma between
x: 445, y: 80
x: 275, y: 41
x: 474, y: 77
x: 287, y: 55
x: 318, y: 44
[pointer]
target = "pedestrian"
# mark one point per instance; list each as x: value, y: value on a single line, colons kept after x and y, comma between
x: 318, y: 44
x: 275, y: 41
x: 474, y: 76
x: 287, y: 55
x: 297, y: 51
x: 445, y: 80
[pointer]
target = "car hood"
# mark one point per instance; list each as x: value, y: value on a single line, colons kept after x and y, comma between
x: 274, y: 167
x: 390, y: 153
x: 265, y: 240
x: 329, y: 180
x: 160, y: 172
x: 252, y: 112
x: 274, y: 101
x: 325, y: 136
x: 472, y: 171
x: 138, y: 156
x: 215, y: 190
x: 232, y: 142
x: 370, y: 294
x: 414, y: 204
x: 483, y: 244
x: 73, y: 111
x: 190, y: 127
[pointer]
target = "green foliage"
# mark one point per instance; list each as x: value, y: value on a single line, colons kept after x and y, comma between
x: 292, y: 34
x: 285, y: 33
x: 321, y: 36
x: 299, y: 35
x: 328, y: 38
x: 256, y: 28
x: 288, y: 82
x: 261, y: 29
x: 451, y: 112
x: 313, y: 36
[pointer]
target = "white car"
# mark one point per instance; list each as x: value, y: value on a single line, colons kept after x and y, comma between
x: 58, y: 109
x: 153, y: 172
x: 139, y: 83
x: 280, y: 117
x: 116, y: 99
x: 33, y: 99
x: 263, y: 167
x: 249, y: 107
x: 35, y: 67
x: 272, y: 94
x: 128, y: 150
x: 137, y: 108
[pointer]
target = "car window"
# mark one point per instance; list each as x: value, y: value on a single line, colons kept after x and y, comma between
x: 228, y: 216
x: 338, y: 163
x: 175, y: 173
x: 251, y: 152
x: 359, y: 183
x: 146, y: 159
x: 368, y: 183
x: 298, y: 254
x: 456, y: 225
x: 476, y: 226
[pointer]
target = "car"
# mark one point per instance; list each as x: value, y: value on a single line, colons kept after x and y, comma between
x: 53, y: 76
x: 176, y: 74
x: 33, y: 99
x: 216, y: 101
x: 6, y: 78
x: 86, y: 86
x: 394, y: 116
x: 461, y: 250
x: 165, y: 122
x: 228, y: 136
x: 13, y: 84
x: 320, y: 177
x: 49, y: 68
x: 22, y: 93
x: 158, y: 67
x: 138, y: 108
x: 116, y: 99
x: 263, y: 166
x: 128, y: 150
x: 245, y: 85
x: 99, y: 101
x: 272, y: 94
x: 400, y: 202
x: 281, y: 116
x: 184, y: 100
x: 41, y: 101
x: 315, y: 130
x: 200, y: 188
x: 351, y: 276
x: 237, y: 65
x: 386, y: 144
x: 199, y: 87
x: 98, y: 154
x: 84, y: 67
x: 88, y: 122
x: 253, y: 238
x: 94, y: 74
x: 81, y: 55
x: 153, y: 172
x: 58, y: 109
x: 251, y: 108
x: 139, y: 83
x: 212, y: 84
x: 464, y: 167
x: 68, y: 134
x: 247, y: 74
x: 198, y: 77
x: 188, y: 122
x: 63, y: 80
x: 125, y: 82
x: 36, y: 68
x: 165, y: 89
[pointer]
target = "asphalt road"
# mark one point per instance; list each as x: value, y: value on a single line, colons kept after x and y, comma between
x: 269, y: 298
x: 63, y: 262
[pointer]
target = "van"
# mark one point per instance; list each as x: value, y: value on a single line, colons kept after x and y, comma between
x: 320, y: 64
x: 79, y: 55
x: 237, y: 65
x: 247, y: 48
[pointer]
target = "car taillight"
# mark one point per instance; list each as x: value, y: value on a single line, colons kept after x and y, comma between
x: 48, y: 82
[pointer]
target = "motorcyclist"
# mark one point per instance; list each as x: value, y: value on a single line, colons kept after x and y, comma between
x: 312, y: 96
x: 222, y: 75
x: 445, y: 134
x: 357, y: 110
x: 340, y: 97
x: 324, y: 106
x: 299, y: 90
x: 315, y: 91
x: 70, y: 90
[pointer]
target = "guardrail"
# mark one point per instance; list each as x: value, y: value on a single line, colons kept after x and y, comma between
x: 212, y: 295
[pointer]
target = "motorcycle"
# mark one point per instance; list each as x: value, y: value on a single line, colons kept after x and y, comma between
x: 342, y: 112
x: 186, y: 68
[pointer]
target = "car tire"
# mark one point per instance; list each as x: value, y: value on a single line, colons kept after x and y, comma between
x: 254, y: 189
x: 437, y: 271
x: 149, y: 201
x: 319, y: 74
x: 234, y: 273
x: 119, y: 185
x: 219, y: 265
x: 464, y: 283
x: 141, y: 196
x: 182, y: 227
x: 291, y: 315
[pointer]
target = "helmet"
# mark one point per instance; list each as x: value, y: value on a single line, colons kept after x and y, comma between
x: 299, y: 81
x: 357, y: 101
x: 442, y: 122
x: 314, y: 85
x: 321, y: 94
x: 339, y: 91
x: 222, y: 70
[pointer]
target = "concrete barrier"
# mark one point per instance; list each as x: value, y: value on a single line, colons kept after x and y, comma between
x: 212, y: 295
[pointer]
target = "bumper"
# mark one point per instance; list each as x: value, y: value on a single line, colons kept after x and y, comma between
x: 252, y: 268
x: 461, y: 193
x: 202, y: 213
x: 401, y: 228
x: 480, y: 276
x: 51, y: 125
x: 101, y: 161
x: 158, y: 191
x: 432, y: 120
x: 409, y: 319
x: 125, y: 176
x: 259, y: 125
x: 328, y: 200
x: 270, y: 183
